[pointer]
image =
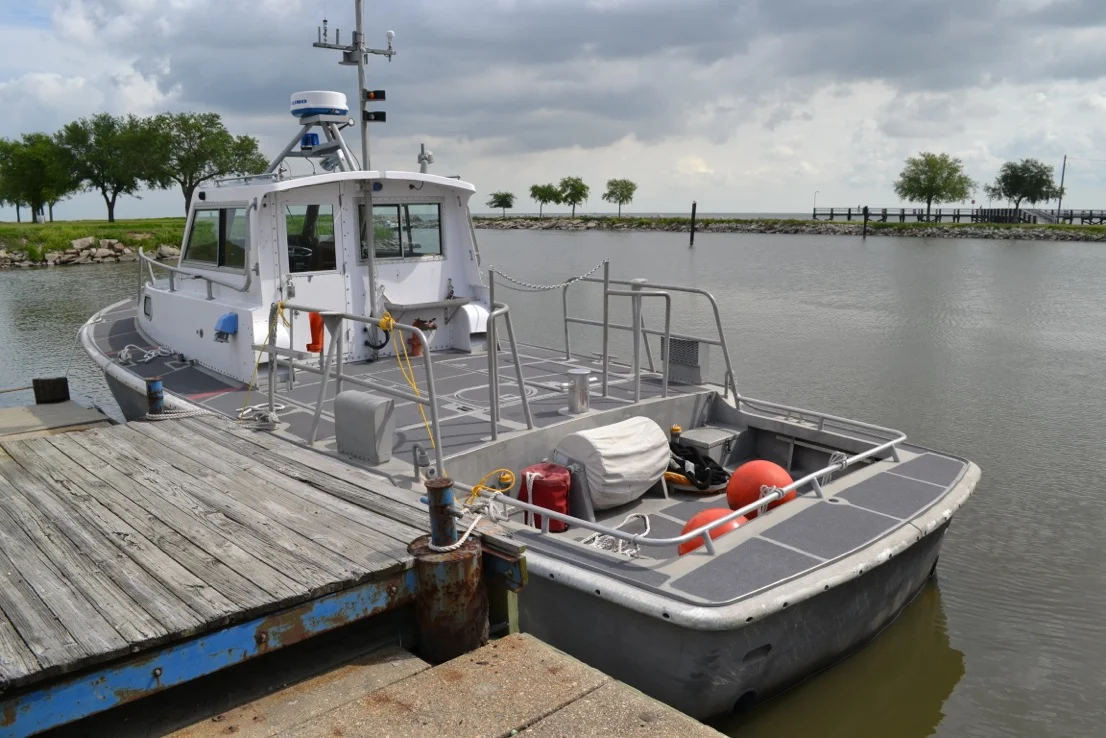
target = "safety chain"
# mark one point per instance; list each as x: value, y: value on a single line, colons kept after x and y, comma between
x: 530, y: 287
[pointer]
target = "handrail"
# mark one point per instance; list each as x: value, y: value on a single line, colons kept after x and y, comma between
x: 729, y: 382
x: 636, y: 295
x: 768, y: 495
x: 498, y: 310
x: 244, y: 287
x: 334, y: 349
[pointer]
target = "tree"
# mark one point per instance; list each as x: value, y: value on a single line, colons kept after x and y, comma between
x: 9, y: 184
x: 501, y: 200
x: 573, y: 192
x: 544, y: 195
x: 620, y: 191
x: 933, y: 178
x: 35, y: 172
x: 110, y: 154
x: 1028, y: 180
x: 191, y: 148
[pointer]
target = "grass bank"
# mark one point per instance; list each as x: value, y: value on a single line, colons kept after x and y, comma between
x: 37, y: 239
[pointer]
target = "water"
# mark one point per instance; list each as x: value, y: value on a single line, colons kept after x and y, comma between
x: 993, y: 350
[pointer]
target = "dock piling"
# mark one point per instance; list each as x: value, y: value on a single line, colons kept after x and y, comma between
x: 50, y: 389
x: 451, y: 605
x: 693, y: 207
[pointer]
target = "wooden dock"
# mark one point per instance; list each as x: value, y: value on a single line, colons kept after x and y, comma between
x: 45, y: 420
x: 149, y: 554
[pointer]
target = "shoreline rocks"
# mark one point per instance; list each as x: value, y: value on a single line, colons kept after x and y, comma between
x: 87, y: 250
x: 795, y: 227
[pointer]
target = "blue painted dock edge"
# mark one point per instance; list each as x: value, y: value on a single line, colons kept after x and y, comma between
x: 119, y: 683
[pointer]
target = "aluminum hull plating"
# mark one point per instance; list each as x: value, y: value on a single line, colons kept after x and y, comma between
x: 706, y: 672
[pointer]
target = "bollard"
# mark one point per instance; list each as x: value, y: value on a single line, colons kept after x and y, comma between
x: 578, y: 387
x: 865, y: 221
x: 155, y: 396
x: 451, y: 606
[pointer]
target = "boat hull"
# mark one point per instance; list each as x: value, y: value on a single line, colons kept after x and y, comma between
x: 706, y: 673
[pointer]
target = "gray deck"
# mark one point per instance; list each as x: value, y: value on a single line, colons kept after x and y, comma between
x: 461, y: 380
x: 784, y: 544
x: 125, y: 538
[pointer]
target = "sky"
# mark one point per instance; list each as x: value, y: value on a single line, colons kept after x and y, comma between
x: 741, y: 105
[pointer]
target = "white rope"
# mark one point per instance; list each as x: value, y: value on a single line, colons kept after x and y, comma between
x: 836, y: 458
x: 178, y: 414
x: 127, y: 357
x: 527, y: 516
x: 460, y: 541
x: 607, y: 542
x: 530, y: 287
x: 260, y: 413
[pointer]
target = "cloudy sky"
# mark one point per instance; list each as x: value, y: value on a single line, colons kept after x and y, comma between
x: 743, y: 105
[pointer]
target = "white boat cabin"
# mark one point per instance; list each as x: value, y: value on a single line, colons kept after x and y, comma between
x: 314, y: 241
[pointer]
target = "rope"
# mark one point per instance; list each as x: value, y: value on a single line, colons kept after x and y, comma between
x: 460, y: 541
x: 127, y: 357
x: 486, y: 507
x: 17, y: 389
x: 527, y: 516
x: 179, y: 414
x: 388, y: 324
x: 607, y: 542
x: 260, y: 413
x: 253, y: 379
x: 837, y: 457
x: 530, y: 287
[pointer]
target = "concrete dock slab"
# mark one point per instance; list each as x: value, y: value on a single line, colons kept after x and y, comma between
x: 513, y: 686
x: 45, y: 420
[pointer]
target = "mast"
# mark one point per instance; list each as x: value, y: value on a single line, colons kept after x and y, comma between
x: 359, y: 45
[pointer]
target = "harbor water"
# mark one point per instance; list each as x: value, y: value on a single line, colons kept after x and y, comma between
x: 993, y: 350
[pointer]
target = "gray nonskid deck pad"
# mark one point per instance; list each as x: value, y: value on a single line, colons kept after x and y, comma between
x: 828, y: 530
x: 941, y: 470
x: 890, y: 494
x: 746, y: 568
x: 684, y: 510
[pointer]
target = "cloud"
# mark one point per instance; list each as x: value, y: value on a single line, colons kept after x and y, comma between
x: 849, y: 87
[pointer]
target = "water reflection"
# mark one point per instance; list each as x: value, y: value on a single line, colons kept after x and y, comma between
x: 897, y: 685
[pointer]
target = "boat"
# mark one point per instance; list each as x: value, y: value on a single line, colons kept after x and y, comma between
x: 349, y: 311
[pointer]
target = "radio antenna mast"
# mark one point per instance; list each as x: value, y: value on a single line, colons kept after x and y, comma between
x: 357, y: 54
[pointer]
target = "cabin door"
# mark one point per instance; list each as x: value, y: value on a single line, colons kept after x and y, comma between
x: 312, y: 260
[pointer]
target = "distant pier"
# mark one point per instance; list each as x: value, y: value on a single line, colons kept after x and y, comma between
x: 1030, y: 216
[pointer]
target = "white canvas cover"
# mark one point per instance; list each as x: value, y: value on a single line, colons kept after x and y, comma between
x: 621, y: 461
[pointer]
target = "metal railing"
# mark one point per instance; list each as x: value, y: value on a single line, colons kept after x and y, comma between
x: 194, y: 274
x: 643, y: 288
x: 501, y: 310
x: 331, y: 365
x: 768, y: 494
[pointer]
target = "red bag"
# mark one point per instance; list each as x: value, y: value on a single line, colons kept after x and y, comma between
x: 550, y: 485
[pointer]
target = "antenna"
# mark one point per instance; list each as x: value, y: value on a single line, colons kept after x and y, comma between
x: 357, y: 54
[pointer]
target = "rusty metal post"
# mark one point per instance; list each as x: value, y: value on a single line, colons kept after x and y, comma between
x: 443, y: 526
x: 451, y: 606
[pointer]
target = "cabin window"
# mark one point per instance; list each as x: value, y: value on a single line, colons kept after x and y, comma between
x: 404, y: 230
x: 311, y: 242
x: 218, y: 238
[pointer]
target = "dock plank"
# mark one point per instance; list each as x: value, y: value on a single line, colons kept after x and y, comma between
x: 70, y: 607
x: 243, y: 593
x: 241, y: 508
x: 16, y: 660
x: 133, y: 623
x: 108, y: 554
x: 239, y: 477
x: 154, y: 487
x: 209, y: 603
x: 394, y: 518
x: 322, y: 473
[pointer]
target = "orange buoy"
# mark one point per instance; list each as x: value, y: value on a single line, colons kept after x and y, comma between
x: 705, y: 517
x: 747, y: 479
x: 316, y: 322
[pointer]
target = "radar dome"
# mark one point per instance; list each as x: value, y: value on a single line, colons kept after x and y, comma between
x: 319, y: 102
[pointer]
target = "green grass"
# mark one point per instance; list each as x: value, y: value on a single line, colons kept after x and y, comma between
x: 45, y: 237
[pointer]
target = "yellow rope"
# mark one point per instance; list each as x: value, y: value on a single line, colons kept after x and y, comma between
x: 261, y: 352
x: 506, y: 482
x: 408, y: 372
